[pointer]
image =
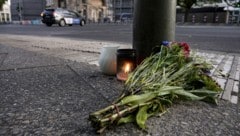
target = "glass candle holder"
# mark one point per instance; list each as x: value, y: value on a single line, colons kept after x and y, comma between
x: 126, y: 63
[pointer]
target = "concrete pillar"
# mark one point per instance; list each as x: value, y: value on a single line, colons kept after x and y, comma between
x: 154, y: 22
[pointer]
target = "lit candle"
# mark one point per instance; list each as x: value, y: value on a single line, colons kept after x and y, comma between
x: 126, y: 69
x: 126, y: 62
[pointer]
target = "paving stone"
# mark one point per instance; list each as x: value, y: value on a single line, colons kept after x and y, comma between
x: 228, y: 90
x: 234, y: 68
x: 237, y: 76
x: 234, y: 99
x: 18, y: 59
x: 236, y: 87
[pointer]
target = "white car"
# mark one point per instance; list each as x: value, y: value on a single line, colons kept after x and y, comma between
x: 61, y: 17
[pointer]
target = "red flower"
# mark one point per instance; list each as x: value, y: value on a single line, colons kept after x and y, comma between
x: 186, y: 49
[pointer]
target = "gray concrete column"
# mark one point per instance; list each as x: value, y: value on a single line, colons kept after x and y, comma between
x: 154, y: 22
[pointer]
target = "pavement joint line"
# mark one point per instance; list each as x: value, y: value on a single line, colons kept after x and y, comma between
x: 23, y: 68
x: 41, y: 47
x: 88, y: 51
x: 3, y: 53
x: 18, y: 40
x: 66, y: 54
x: 234, y: 79
x: 75, y: 72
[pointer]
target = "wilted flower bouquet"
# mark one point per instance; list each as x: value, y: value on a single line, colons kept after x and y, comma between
x: 159, y: 81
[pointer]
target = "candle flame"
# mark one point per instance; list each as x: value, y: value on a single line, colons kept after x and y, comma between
x: 127, y: 68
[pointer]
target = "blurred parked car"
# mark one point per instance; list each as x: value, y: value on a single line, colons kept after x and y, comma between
x: 106, y: 20
x: 124, y: 17
x: 61, y: 17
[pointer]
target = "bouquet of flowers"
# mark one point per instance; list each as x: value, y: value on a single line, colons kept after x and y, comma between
x: 160, y: 80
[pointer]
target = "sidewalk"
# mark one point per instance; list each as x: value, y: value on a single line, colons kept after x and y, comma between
x: 88, y: 52
x: 48, y: 86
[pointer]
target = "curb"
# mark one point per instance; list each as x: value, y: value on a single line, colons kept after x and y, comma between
x: 39, y: 22
x: 28, y: 22
x: 206, y: 24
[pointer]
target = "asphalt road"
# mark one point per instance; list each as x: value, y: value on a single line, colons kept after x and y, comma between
x: 216, y: 38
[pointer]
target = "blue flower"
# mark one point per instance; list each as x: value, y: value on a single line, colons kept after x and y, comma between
x: 165, y: 43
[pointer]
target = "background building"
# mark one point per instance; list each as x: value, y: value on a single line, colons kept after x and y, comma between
x: 210, y: 12
x: 122, y: 7
x: 109, y: 10
x: 27, y: 9
x: 113, y: 10
x: 5, y: 13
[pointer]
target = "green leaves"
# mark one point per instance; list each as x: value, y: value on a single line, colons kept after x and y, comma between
x: 138, y: 99
x: 188, y: 95
x: 142, y: 116
x: 128, y: 119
